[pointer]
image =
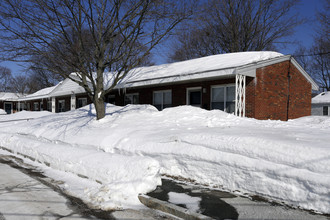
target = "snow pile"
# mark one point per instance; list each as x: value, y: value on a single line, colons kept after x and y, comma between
x: 323, y: 97
x: 284, y: 161
x: 2, y: 112
x: 191, y: 203
x: 23, y: 115
x: 210, y: 66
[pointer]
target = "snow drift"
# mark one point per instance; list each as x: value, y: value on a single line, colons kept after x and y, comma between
x: 285, y: 161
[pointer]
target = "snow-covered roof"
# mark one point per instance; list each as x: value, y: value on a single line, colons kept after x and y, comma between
x: 323, y: 97
x: 222, y: 65
x: 41, y: 94
x: 68, y: 87
x: 210, y: 66
x: 9, y: 96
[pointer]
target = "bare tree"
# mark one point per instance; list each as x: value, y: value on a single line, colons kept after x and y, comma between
x: 88, y: 37
x: 227, y: 26
x: 5, y: 79
x: 321, y: 49
x: 316, y: 59
x: 21, y: 84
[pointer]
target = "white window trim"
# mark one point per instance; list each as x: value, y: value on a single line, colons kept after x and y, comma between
x: 191, y: 89
x: 36, y: 104
x: 225, y: 93
x: 161, y: 91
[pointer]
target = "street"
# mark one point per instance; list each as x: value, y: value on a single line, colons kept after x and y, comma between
x: 23, y: 197
x: 25, y: 194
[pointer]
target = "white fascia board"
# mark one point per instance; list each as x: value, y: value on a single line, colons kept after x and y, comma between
x: 180, y: 78
x: 250, y: 69
x: 306, y: 75
x: 34, y: 98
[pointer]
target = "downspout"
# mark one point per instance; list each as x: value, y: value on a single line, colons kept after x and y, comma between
x: 288, y: 95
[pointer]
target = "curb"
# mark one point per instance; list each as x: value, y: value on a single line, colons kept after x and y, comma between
x: 170, y: 208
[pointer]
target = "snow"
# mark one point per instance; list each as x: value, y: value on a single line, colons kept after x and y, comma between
x: 191, y: 203
x: 323, y: 97
x: 125, y: 153
x: 43, y: 93
x: 211, y: 66
x: 9, y: 96
x: 2, y: 112
x: 222, y: 65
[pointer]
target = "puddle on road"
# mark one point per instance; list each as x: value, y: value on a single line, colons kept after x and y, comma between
x: 210, y: 203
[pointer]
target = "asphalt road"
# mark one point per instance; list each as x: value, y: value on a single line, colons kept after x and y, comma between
x: 27, y: 194
x: 23, y: 197
x: 223, y: 205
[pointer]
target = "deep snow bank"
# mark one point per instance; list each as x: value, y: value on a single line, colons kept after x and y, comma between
x: 2, y: 112
x: 284, y: 161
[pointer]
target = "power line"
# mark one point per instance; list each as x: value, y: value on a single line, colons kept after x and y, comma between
x: 314, y: 54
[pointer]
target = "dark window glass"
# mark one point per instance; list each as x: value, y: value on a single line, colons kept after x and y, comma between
x: 195, y: 98
x: 325, y: 110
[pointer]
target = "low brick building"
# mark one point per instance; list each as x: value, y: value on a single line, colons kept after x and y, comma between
x: 8, y: 101
x: 261, y: 85
x: 321, y: 104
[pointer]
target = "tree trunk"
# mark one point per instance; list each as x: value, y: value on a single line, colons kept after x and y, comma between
x: 99, y: 107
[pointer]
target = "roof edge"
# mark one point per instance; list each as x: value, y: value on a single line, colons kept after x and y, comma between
x: 315, y: 86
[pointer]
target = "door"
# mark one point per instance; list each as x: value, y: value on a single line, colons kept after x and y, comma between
x: 194, y: 96
x: 8, y: 107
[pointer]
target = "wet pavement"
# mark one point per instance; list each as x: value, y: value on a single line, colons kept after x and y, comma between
x: 25, y: 193
x: 223, y: 205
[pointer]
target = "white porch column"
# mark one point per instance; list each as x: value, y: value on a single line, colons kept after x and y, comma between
x: 240, y: 95
x: 53, y: 105
x: 73, y: 101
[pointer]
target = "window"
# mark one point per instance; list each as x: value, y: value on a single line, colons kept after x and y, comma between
x: 36, y: 106
x: 82, y: 102
x: 61, y: 106
x: 49, y: 106
x: 223, y: 98
x: 28, y: 106
x: 41, y: 106
x: 194, y: 96
x: 162, y: 99
x: 8, y: 107
x: 325, y: 110
x: 132, y: 98
x: 21, y: 106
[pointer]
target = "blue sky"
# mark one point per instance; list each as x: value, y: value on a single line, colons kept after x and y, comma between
x: 303, y: 34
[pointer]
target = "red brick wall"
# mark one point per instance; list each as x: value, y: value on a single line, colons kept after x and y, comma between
x: 300, y: 94
x: 250, y: 96
x: 274, y: 85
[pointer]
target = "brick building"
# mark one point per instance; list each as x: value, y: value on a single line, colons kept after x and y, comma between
x: 261, y: 85
x: 8, y: 101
